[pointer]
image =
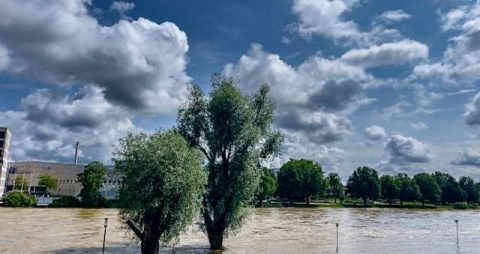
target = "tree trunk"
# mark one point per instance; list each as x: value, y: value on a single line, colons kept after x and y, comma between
x: 308, y: 200
x: 260, y: 202
x: 335, y: 199
x: 151, y: 233
x: 401, y: 202
x: 216, y: 240
x: 423, y: 202
x: 365, y: 202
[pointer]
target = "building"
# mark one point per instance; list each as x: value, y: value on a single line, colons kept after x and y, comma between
x: 65, y: 174
x: 5, y: 137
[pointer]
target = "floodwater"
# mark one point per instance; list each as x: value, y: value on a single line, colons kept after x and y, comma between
x: 269, y: 230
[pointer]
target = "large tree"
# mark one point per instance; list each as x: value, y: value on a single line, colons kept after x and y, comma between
x: 234, y: 132
x: 451, y: 191
x: 92, y: 179
x: 468, y: 185
x: 429, y: 189
x: 364, y: 184
x: 161, y: 187
x: 301, y: 180
x: 268, y: 186
x: 47, y: 181
x: 390, y: 188
x: 409, y: 190
x: 335, y: 186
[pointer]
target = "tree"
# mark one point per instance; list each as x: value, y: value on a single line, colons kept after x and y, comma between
x: 390, y: 188
x: 92, y: 180
x: 300, y: 180
x: 468, y: 185
x: 162, y: 181
x: 409, y: 190
x: 21, y: 183
x: 48, y: 181
x: 234, y: 133
x: 19, y: 199
x: 364, y: 184
x: 451, y: 191
x: 335, y: 186
x: 429, y: 189
x: 268, y: 186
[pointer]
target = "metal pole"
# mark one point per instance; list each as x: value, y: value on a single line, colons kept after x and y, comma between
x: 104, y: 234
x: 337, y: 224
x: 456, y: 224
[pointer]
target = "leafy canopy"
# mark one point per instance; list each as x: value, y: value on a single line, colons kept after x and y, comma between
x: 48, y: 181
x: 92, y: 179
x: 162, y: 182
x: 234, y: 133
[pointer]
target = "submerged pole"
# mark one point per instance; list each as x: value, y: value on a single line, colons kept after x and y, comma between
x: 104, y: 234
x: 456, y: 224
x: 337, y: 224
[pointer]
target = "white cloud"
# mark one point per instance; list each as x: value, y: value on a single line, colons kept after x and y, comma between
x: 419, y: 125
x: 324, y: 17
x: 388, y: 53
x: 472, y: 111
x: 394, y: 16
x: 404, y: 150
x: 375, y: 132
x: 49, y: 124
x: 122, y: 7
x: 468, y: 157
x: 60, y: 42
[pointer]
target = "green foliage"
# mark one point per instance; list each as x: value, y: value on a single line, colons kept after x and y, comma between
x: 268, y: 185
x: 161, y: 187
x: 234, y: 132
x: 92, y: 181
x: 66, y: 202
x: 48, y: 181
x: 300, y: 180
x: 429, y: 189
x: 451, y: 191
x: 19, y: 199
x: 364, y: 184
x: 471, y: 189
x: 409, y: 190
x: 21, y: 183
x: 460, y: 205
x: 390, y: 188
x: 335, y: 186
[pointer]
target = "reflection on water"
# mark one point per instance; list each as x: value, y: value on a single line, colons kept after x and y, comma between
x: 270, y: 230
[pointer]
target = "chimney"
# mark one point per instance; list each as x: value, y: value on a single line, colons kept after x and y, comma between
x: 76, y: 152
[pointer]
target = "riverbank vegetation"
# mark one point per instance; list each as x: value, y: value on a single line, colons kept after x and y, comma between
x: 365, y: 188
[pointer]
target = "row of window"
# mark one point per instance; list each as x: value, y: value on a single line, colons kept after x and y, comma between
x: 70, y: 181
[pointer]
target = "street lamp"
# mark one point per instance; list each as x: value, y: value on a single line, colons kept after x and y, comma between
x: 104, y: 234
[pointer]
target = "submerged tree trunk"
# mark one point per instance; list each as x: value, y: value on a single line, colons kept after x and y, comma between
x: 365, y: 202
x: 151, y: 234
x: 308, y: 200
x: 335, y: 199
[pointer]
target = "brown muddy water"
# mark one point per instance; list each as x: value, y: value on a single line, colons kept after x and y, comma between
x: 269, y: 230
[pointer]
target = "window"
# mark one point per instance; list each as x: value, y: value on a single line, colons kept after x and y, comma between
x: 2, y: 134
x: 1, y: 143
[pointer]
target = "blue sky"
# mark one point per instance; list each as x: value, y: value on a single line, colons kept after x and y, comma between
x: 389, y: 84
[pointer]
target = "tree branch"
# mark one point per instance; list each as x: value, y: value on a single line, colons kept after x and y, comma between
x: 135, y: 230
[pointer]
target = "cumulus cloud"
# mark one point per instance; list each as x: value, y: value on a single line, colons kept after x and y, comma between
x: 472, y: 111
x: 313, y: 98
x: 325, y: 17
x: 394, y: 16
x: 375, y: 133
x: 468, y: 157
x: 404, y: 150
x: 122, y: 7
x: 61, y: 43
x: 388, y: 53
x: 49, y: 124
x: 461, y: 60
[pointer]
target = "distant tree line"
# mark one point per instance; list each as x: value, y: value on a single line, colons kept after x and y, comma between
x: 300, y: 180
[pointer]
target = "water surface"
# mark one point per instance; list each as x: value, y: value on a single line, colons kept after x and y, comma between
x: 269, y: 230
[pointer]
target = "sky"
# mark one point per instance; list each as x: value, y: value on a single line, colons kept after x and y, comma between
x: 393, y: 85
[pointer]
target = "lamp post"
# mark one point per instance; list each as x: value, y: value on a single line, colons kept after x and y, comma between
x: 337, y: 224
x: 456, y: 224
x: 104, y: 234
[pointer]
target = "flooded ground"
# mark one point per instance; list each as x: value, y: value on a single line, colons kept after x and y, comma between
x: 270, y: 230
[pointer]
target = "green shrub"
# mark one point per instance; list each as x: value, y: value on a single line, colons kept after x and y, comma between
x: 19, y: 199
x: 66, y: 202
x: 473, y: 206
x: 460, y: 205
